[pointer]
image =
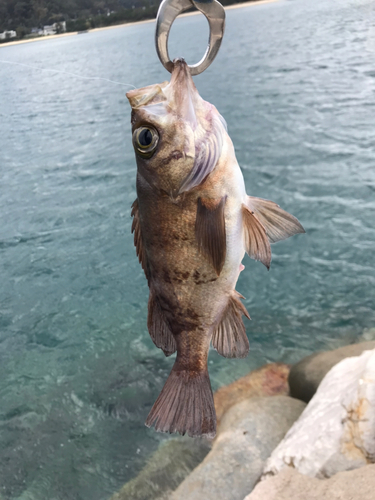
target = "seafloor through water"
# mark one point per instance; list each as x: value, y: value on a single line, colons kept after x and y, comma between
x: 295, y: 80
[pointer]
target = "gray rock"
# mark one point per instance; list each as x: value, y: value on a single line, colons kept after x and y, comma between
x: 165, y: 470
x: 306, y: 375
x: 291, y: 485
x: 247, y: 434
x: 336, y: 430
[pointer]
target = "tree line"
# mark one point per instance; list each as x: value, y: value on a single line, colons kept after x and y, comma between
x: 23, y: 15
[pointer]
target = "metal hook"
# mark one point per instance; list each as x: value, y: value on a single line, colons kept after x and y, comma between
x: 169, y: 10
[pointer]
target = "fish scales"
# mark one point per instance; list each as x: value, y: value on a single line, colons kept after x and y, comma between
x: 193, y: 223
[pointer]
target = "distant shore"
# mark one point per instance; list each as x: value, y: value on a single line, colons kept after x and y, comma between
x: 50, y: 37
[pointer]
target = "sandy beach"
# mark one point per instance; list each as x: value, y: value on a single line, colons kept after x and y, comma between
x: 50, y: 37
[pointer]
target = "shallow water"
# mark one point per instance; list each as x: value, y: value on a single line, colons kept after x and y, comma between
x: 295, y: 81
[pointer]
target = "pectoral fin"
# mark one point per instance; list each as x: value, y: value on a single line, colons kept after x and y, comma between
x: 277, y: 223
x: 136, y: 229
x: 256, y: 241
x: 229, y: 337
x: 158, y: 327
x: 210, y: 231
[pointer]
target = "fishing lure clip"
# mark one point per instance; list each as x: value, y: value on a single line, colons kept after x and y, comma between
x: 170, y: 9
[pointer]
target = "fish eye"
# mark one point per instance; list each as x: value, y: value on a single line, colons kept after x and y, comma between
x: 145, y: 141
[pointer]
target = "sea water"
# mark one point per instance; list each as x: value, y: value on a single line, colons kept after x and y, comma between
x: 295, y: 81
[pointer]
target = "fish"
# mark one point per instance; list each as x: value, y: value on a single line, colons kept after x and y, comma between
x: 193, y: 223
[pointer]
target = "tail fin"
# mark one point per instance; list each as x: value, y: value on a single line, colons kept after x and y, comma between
x: 185, y: 405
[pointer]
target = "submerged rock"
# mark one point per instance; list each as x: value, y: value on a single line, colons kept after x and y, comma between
x: 336, y: 430
x: 269, y: 380
x: 165, y: 470
x: 306, y: 375
x: 291, y: 485
x: 176, y: 458
x: 247, y: 434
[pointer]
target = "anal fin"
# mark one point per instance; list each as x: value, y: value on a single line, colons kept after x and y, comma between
x: 229, y: 337
x: 210, y: 231
x: 158, y: 327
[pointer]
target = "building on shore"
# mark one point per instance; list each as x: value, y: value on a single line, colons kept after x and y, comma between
x: 7, y: 35
x: 55, y: 28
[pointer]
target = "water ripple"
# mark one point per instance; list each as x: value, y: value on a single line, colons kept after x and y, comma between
x: 78, y: 371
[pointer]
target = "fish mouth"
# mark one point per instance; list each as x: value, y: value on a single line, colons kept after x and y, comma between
x: 179, y: 95
x: 205, y: 123
x: 182, y: 94
x: 180, y: 72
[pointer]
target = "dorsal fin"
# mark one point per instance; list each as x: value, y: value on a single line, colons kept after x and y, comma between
x: 256, y: 240
x: 229, y: 337
x: 210, y: 231
x: 278, y: 223
x: 158, y: 326
x: 138, y: 243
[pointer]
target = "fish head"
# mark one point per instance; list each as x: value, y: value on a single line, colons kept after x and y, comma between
x: 177, y: 136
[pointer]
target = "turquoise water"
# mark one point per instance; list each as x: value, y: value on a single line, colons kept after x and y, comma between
x: 295, y: 80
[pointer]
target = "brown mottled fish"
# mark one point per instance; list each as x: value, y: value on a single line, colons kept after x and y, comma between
x: 193, y: 223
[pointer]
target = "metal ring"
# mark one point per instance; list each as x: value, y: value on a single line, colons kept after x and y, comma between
x: 169, y: 10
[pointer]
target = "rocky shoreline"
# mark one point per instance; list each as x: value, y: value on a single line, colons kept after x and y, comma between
x: 300, y: 432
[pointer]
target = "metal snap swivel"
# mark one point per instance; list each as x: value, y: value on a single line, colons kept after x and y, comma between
x: 169, y: 10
